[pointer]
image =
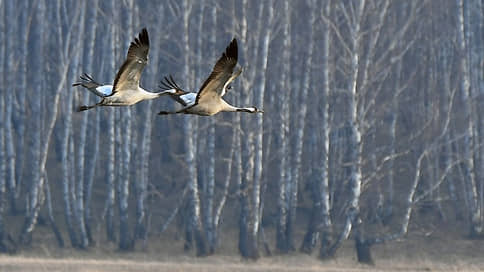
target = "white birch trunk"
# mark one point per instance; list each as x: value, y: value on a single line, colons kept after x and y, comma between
x: 66, y: 177
x: 301, y: 117
x: 470, y: 180
x: 91, y: 167
x: 221, y: 204
x: 50, y: 215
x: 388, y: 205
x: 85, y: 170
x: 125, y: 241
x: 283, y: 133
x: 326, y: 128
x: 110, y: 168
x: 247, y: 242
x: 79, y: 204
x: 11, y: 28
x: 20, y: 110
x: 355, y: 144
x: 259, y: 101
x: 36, y: 193
x: 446, y: 57
x: 210, y: 223
x: 142, y: 183
x: 321, y: 203
x: 36, y: 136
x: 355, y: 139
x: 3, y: 234
x: 194, y: 198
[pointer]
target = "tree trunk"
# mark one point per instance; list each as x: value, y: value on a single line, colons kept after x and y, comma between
x: 363, y: 252
x: 79, y: 190
x: 476, y: 228
x: 356, y: 145
x: 11, y: 28
x: 110, y: 179
x: 248, y: 246
x: 19, y: 117
x: 36, y: 136
x: 85, y: 170
x: 126, y: 241
x: 209, y: 195
x: 283, y: 133
x: 66, y: 184
x: 355, y: 142
x: 50, y: 215
x: 91, y: 166
x: 327, y: 226
x: 301, y: 117
x: 193, y: 196
x: 3, y: 245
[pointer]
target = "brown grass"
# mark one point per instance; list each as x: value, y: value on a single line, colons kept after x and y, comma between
x: 409, y: 255
x: 420, y: 251
x: 215, y: 264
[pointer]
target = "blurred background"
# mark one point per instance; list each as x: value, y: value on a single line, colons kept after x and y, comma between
x: 372, y: 126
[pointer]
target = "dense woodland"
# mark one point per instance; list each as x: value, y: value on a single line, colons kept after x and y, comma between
x: 372, y: 116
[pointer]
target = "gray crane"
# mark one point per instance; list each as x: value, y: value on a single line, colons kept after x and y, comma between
x: 126, y: 90
x: 208, y: 101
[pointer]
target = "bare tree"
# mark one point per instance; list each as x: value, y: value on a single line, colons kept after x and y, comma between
x: 281, y: 136
x: 476, y: 227
x: 320, y: 219
x: 110, y: 168
x: 19, y: 114
x: 195, y: 223
x: 3, y: 234
x: 85, y: 168
x: 126, y: 242
x: 11, y: 182
x: 35, y: 139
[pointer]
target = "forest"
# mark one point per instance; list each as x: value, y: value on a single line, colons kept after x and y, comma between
x: 372, y: 123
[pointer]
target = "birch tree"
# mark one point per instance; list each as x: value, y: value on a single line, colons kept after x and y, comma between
x: 355, y: 148
x: 142, y: 183
x: 299, y: 139
x: 3, y: 234
x: 35, y: 139
x: 282, y: 135
x: 125, y: 240
x: 73, y: 203
x: 110, y: 168
x: 469, y: 165
x: 194, y: 198
x: 84, y: 178
x: 19, y: 114
x: 252, y: 142
x: 79, y: 200
x: 36, y: 196
x: 320, y: 215
x: 10, y: 175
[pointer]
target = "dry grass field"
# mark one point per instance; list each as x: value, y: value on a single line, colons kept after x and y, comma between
x: 417, y: 253
x: 219, y: 264
x: 424, y: 249
x: 215, y: 264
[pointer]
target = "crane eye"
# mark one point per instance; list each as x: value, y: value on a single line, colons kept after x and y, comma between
x: 229, y: 87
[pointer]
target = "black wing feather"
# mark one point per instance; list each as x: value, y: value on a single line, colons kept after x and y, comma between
x: 223, y: 68
x: 138, y: 51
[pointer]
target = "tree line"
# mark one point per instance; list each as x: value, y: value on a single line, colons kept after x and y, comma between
x: 372, y: 114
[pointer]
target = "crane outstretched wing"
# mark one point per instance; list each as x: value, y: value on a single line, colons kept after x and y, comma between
x: 129, y: 74
x: 221, y: 74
